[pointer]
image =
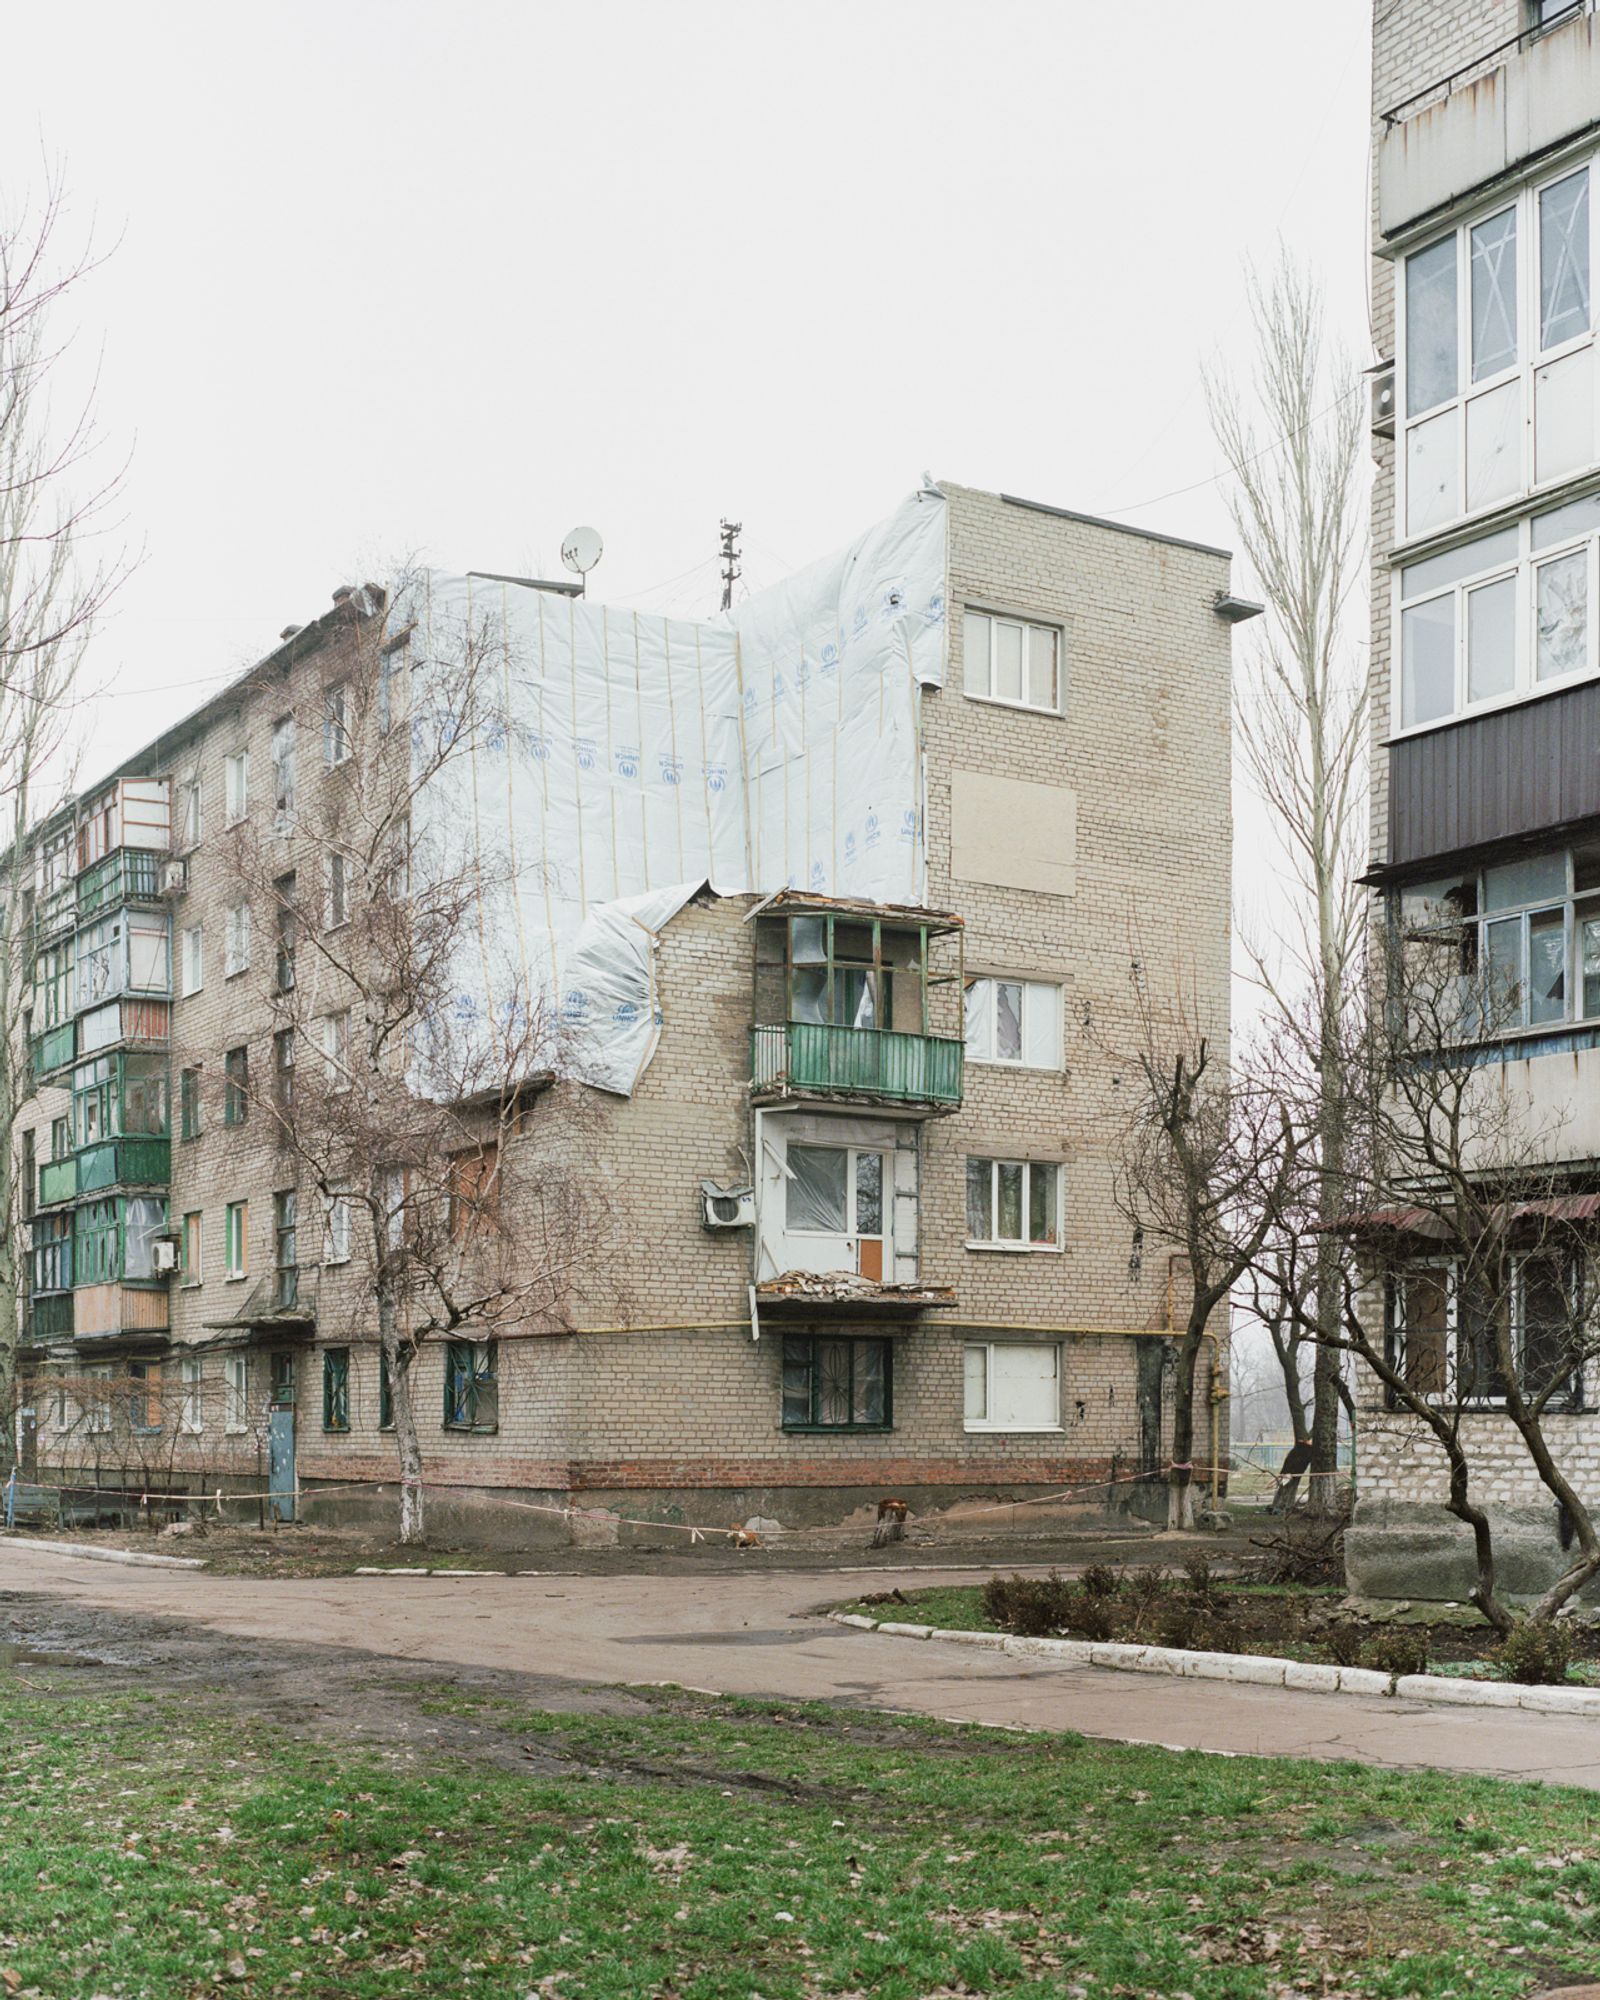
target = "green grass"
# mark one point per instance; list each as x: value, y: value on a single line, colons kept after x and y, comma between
x: 706, y: 1850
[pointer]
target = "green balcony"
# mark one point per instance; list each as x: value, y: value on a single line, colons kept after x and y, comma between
x: 54, y: 1049
x: 811, y: 1059
x: 58, y: 1182
x: 124, y: 1163
x: 131, y: 875
x: 51, y: 1316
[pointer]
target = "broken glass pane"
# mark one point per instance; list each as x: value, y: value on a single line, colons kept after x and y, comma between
x: 1564, y: 260
x: 1563, y: 615
x: 1589, y: 945
x: 1041, y: 1204
x: 808, y: 940
x: 1009, y: 1227
x: 1007, y: 1021
x: 1503, y: 975
x: 1528, y: 881
x: 808, y: 993
x: 978, y: 1189
x: 1431, y: 327
x: 815, y: 1190
x: 1494, y: 294
x: 869, y: 1194
x: 1547, y: 965
x: 797, y: 1380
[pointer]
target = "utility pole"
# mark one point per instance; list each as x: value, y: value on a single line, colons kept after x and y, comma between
x: 730, y: 561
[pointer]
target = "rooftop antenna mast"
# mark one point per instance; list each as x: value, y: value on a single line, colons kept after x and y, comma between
x: 731, y: 572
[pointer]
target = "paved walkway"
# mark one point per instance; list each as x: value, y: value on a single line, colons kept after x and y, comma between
x: 750, y: 1634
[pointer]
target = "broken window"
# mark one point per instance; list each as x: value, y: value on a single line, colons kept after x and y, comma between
x: 836, y: 1384
x: 336, y: 1389
x: 283, y: 768
x: 1493, y: 253
x: 1014, y: 1021
x: 236, y: 786
x: 834, y: 1190
x: 472, y: 1386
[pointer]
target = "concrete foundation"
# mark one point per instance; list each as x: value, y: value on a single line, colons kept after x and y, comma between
x: 497, y: 1518
x: 1415, y: 1549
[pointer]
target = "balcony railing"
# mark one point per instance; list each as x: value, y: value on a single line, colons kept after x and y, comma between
x: 54, y: 1049
x: 58, y: 1182
x: 813, y: 1058
x: 102, y: 1312
x: 131, y: 875
x: 124, y: 1163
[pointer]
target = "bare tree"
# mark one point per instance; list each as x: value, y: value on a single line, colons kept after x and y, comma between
x: 1206, y: 1164
x: 1469, y: 1300
x: 407, y: 1045
x: 1293, y: 443
x: 54, y: 582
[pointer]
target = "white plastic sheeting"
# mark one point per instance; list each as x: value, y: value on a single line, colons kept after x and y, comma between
x: 639, y: 758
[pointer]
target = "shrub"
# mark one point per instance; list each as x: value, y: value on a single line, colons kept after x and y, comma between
x: 1200, y: 1580
x: 1346, y: 1643
x: 1032, y: 1607
x: 1090, y: 1617
x: 1400, y: 1650
x: 1101, y: 1580
x: 1536, y: 1654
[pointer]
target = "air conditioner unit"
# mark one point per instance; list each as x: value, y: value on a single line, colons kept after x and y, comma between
x: 164, y: 1255
x: 727, y: 1208
x: 174, y: 877
x: 1383, y: 401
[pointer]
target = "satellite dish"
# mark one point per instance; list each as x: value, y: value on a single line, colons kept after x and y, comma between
x: 581, y: 550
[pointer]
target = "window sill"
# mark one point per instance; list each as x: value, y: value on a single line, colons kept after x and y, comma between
x: 836, y: 1430
x: 336, y: 1430
x: 236, y: 1277
x: 236, y: 1430
x: 1017, y: 1249
x: 190, y: 1284
x: 1003, y: 1062
x: 1014, y: 707
x: 470, y: 1430
x: 1013, y: 1430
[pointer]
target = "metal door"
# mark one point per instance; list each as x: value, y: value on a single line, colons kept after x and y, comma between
x: 280, y: 1462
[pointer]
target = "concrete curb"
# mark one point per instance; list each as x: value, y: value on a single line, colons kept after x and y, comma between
x: 86, y: 1552
x: 1258, y: 1670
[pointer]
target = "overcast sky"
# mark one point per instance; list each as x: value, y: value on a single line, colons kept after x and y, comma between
x: 447, y: 279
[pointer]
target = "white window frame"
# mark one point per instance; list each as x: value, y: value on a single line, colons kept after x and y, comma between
x: 852, y: 1154
x: 1530, y: 358
x: 337, y: 903
x: 188, y: 1280
x: 986, y: 691
x: 191, y: 815
x: 235, y: 787
x: 285, y: 770
x: 97, y: 1418
x: 193, y: 955
x: 236, y: 941
x: 1007, y: 1245
x: 191, y: 1404
x: 1040, y: 1010
x: 1523, y: 567
x: 236, y: 1272
x: 333, y: 1038
x: 987, y: 1349
x: 336, y: 1229
x: 236, y: 1394
x: 337, y: 745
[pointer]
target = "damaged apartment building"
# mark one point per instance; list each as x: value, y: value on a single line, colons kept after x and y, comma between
x: 1485, y: 699
x: 835, y: 903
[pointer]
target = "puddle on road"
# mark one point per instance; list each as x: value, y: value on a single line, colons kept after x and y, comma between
x: 12, y: 1656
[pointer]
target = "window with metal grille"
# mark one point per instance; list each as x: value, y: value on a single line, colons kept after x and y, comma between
x: 336, y: 1389
x: 472, y: 1386
x: 833, y: 1384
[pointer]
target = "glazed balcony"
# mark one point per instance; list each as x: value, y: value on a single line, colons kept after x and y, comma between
x: 51, y: 1316
x: 58, y: 1182
x: 815, y: 1059
x: 141, y: 1162
x: 131, y: 875
x: 55, y: 1049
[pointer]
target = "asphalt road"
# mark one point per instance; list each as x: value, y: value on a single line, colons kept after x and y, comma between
x: 755, y: 1634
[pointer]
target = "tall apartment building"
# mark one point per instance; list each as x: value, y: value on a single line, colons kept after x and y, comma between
x: 841, y: 898
x: 1485, y: 696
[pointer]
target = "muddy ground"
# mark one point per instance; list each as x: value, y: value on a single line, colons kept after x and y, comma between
x: 294, y: 1550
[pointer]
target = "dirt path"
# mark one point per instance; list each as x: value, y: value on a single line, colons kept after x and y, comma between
x: 315, y: 1640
